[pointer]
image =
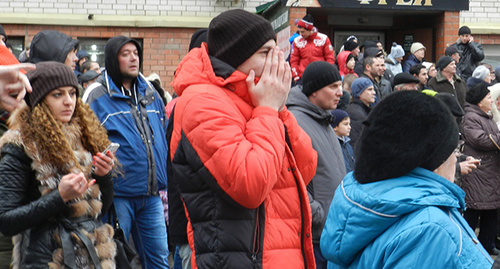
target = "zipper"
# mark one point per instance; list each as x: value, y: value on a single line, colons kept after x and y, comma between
x: 301, y: 221
x: 256, y: 237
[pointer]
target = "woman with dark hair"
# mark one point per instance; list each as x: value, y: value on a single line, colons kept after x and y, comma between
x: 399, y: 208
x: 54, y: 181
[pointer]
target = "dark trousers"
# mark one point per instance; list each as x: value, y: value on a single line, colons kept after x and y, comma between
x: 487, y: 225
x: 321, y: 262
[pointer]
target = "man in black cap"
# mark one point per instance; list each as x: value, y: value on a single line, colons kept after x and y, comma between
x: 471, y: 53
x: 88, y: 78
x: 132, y: 111
x: 241, y: 160
x: 311, y: 105
x: 446, y: 79
x: 405, y: 82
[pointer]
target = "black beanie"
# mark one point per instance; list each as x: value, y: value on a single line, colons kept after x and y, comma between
x: 235, y: 35
x: 350, y: 45
x: 2, y: 32
x: 318, y: 75
x: 443, y: 62
x: 476, y: 94
x: 197, y: 38
x: 406, y: 130
x: 47, y: 77
x: 464, y: 30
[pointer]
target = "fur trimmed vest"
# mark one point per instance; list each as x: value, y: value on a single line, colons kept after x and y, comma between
x: 79, y: 238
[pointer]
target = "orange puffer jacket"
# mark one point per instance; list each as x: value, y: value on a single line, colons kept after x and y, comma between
x: 241, y: 171
x: 316, y: 47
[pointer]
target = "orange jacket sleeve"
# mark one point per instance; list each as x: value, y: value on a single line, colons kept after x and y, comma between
x: 305, y: 156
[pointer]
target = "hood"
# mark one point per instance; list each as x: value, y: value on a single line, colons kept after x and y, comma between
x: 365, y: 211
x: 472, y: 82
x: 50, y: 45
x: 298, y: 101
x: 113, y: 46
x: 390, y: 60
x: 341, y: 61
x: 197, y: 67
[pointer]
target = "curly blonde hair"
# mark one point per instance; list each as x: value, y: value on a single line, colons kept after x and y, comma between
x: 48, y: 139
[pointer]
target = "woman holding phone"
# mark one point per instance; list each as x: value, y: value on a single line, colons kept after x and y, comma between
x: 55, y: 182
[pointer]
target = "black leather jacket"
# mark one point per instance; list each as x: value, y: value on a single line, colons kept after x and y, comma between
x: 24, y: 210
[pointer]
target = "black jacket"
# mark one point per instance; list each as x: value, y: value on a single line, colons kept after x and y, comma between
x: 470, y: 55
x: 358, y: 112
x: 24, y: 210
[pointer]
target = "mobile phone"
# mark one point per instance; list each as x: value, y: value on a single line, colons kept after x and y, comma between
x: 113, y: 147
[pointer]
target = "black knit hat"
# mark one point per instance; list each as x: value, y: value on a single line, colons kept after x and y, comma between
x: 476, y: 93
x: 2, y: 32
x: 197, y: 38
x: 318, y: 75
x: 350, y: 45
x: 235, y: 35
x: 443, y: 62
x: 450, y: 50
x: 464, y: 30
x: 406, y: 130
x: 47, y: 77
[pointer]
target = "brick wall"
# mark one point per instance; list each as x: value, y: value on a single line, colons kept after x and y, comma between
x: 446, y: 33
x: 163, y: 47
x: 487, y: 39
x: 296, y: 13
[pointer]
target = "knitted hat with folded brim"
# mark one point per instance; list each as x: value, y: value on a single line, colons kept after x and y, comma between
x: 318, y: 75
x: 406, y: 130
x: 47, y: 77
x: 359, y: 85
x: 235, y: 35
x: 443, y: 62
x: 416, y: 47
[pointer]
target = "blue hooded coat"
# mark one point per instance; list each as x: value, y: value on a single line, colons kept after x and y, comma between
x: 411, y: 221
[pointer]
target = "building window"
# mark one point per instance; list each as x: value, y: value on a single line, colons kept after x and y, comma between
x: 17, y: 43
x: 95, y: 48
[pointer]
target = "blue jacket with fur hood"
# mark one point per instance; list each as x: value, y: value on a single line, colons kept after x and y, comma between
x: 411, y: 221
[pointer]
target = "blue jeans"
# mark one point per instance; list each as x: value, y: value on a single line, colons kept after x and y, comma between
x: 143, y: 218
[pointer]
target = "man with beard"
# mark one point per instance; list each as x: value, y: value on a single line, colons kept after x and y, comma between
x: 133, y: 112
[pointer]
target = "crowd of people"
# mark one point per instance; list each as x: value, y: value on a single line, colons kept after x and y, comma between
x: 359, y: 159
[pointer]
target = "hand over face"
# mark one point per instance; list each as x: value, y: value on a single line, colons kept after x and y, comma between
x: 274, y: 84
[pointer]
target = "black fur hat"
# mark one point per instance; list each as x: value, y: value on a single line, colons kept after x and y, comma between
x: 406, y: 130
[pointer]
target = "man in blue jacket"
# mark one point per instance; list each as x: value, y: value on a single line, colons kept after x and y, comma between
x: 132, y: 111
